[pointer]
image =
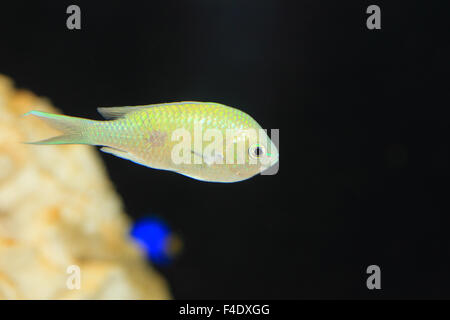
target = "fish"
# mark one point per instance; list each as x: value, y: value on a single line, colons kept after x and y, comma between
x: 206, y: 141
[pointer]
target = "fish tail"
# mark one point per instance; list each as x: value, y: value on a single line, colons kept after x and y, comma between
x: 74, y: 129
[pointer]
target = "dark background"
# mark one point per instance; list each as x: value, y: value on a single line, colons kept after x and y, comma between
x: 364, y: 129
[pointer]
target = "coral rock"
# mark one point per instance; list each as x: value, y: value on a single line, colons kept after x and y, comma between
x: 58, y: 209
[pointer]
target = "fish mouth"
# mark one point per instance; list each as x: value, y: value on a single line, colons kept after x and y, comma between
x: 270, y: 169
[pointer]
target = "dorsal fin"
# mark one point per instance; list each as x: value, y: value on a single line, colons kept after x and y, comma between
x: 118, y: 112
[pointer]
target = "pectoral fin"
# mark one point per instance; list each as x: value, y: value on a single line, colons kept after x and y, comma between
x: 208, y: 159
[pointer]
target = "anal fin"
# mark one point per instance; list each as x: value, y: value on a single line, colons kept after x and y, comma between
x: 121, y: 154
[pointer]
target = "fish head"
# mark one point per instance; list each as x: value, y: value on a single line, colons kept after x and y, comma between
x: 270, y: 155
x: 251, y: 152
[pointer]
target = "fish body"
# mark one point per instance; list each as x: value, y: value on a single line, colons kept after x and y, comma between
x: 172, y: 136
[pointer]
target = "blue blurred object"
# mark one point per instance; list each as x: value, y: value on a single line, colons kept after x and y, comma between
x: 154, y: 236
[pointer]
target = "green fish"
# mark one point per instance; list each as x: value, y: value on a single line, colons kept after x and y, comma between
x: 202, y: 140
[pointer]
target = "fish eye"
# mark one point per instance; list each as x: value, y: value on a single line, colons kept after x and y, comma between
x: 256, y: 151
